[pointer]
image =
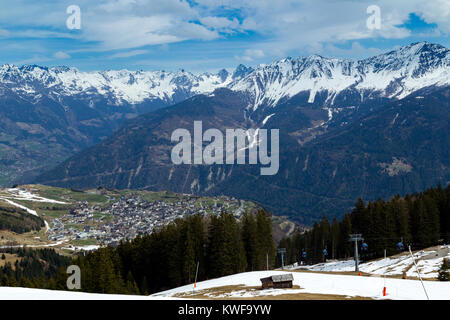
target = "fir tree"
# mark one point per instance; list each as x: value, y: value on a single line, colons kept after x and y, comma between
x: 144, y: 287
x: 265, y: 247
x: 444, y: 271
x: 131, y: 285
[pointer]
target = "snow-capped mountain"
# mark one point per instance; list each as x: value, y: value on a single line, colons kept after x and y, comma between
x: 61, y: 110
x: 121, y: 86
x: 395, y: 74
x: 397, y: 147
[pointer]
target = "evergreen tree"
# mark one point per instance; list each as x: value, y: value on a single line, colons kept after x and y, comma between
x: 132, y: 287
x: 444, y: 271
x: 335, y: 231
x: 249, y: 238
x: 325, y: 235
x: 265, y: 246
x: 144, y: 287
x: 226, y: 253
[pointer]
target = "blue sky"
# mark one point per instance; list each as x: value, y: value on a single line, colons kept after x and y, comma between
x: 207, y: 35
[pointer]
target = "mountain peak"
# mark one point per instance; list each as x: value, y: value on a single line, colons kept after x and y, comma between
x: 418, y: 48
x: 392, y: 74
x: 241, y: 71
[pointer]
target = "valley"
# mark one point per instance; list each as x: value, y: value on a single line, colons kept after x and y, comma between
x: 367, y: 128
x: 78, y: 220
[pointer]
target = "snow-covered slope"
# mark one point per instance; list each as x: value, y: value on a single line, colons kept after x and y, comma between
x: 428, y: 263
x: 393, y: 75
x: 345, y: 285
x: 313, y: 283
x: 8, y: 293
x: 121, y: 86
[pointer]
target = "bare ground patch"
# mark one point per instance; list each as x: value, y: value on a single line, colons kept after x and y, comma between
x: 232, y: 292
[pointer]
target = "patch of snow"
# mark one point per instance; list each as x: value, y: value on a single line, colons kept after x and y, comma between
x: 21, y: 194
x: 8, y: 293
x: 317, y: 283
x: 267, y: 118
x: 34, y: 213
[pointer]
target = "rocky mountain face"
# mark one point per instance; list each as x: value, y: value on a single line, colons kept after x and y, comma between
x: 59, y: 111
x: 398, y: 147
x: 334, y: 115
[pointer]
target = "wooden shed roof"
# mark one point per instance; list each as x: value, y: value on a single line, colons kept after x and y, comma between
x: 279, y: 278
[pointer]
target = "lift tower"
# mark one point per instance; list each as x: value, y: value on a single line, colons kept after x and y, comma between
x: 356, y: 237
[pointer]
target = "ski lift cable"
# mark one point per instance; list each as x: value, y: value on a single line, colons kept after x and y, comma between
x: 417, y: 270
x: 386, y: 238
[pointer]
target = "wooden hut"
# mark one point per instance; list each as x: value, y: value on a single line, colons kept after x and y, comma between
x: 278, y: 281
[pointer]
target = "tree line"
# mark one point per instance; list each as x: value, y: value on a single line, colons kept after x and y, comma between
x: 34, y: 268
x: 195, y: 247
x: 18, y: 220
x: 420, y: 220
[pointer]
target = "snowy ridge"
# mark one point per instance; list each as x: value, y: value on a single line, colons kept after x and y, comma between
x: 122, y: 85
x: 393, y: 75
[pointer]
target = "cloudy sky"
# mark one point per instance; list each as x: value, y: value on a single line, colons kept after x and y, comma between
x: 207, y: 35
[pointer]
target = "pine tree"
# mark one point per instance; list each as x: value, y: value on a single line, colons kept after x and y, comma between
x: 12, y: 281
x: 325, y: 234
x: 189, y: 264
x: 4, y: 280
x: 132, y: 287
x: 401, y: 217
x: 108, y: 280
x: 264, y: 242
x: 226, y: 253
x: 335, y: 231
x: 173, y: 253
x: 444, y: 271
x: 345, y: 247
x: 144, y: 287
x: 359, y: 217
x: 249, y: 237
x: 432, y: 219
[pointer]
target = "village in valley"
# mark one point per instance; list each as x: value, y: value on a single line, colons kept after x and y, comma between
x: 131, y: 215
x: 84, y: 220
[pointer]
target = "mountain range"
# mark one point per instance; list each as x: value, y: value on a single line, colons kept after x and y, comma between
x: 348, y: 128
x: 60, y: 110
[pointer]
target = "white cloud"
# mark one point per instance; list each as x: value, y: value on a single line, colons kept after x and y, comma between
x: 356, y: 49
x: 282, y: 26
x: 4, y: 33
x: 221, y: 24
x: 61, y: 55
x: 128, y: 54
x: 304, y: 24
x: 252, y: 54
x: 34, y: 59
x: 437, y: 11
